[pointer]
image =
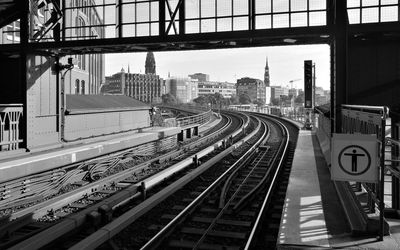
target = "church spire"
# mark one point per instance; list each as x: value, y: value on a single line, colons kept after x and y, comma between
x: 150, y: 66
x: 266, y: 74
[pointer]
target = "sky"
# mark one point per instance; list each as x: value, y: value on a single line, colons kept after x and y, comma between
x: 286, y: 63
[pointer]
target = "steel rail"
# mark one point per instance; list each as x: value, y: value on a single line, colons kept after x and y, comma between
x: 230, y: 178
x: 229, y: 202
x: 153, y: 243
x: 107, y: 232
x: 270, y: 188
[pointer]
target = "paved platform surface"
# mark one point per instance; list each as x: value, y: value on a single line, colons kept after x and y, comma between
x: 312, y: 214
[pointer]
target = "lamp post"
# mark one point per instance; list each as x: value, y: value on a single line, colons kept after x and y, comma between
x: 59, y: 68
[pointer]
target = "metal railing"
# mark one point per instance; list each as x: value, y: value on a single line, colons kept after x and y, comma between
x: 323, y: 123
x: 10, y: 115
x: 201, y: 117
x: 371, y: 120
x: 194, y: 119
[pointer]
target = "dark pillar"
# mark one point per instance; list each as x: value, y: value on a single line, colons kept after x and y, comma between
x: 339, y: 48
x: 161, y: 16
x: 182, y: 30
x: 24, y: 36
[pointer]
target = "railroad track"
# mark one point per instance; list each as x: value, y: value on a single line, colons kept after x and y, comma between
x: 202, y: 225
x: 201, y: 194
x: 124, y: 189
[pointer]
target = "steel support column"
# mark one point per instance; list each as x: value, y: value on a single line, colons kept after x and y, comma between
x: 24, y: 36
x: 339, y: 48
x: 119, y: 18
x: 182, y: 18
x: 161, y: 16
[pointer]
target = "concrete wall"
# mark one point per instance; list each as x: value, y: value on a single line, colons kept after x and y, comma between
x: 42, y: 127
x: 95, y: 124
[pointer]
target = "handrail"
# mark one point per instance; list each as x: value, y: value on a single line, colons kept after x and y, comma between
x: 365, y: 108
x: 10, y: 115
x: 200, y: 119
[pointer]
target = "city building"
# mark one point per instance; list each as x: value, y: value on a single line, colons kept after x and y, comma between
x: 150, y: 65
x: 200, y: 77
x: 266, y: 74
x: 226, y: 89
x: 254, y: 88
x: 144, y: 87
x: 319, y: 91
x: 88, y: 73
x: 182, y: 88
x: 278, y: 91
x: 321, y: 100
x: 293, y: 92
x: 268, y: 95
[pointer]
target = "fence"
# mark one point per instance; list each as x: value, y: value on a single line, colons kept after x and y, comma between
x: 200, y: 118
x: 194, y: 119
x: 323, y: 132
x: 368, y: 120
x: 10, y: 115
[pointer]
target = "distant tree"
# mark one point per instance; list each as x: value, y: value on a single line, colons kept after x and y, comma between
x: 259, y: 102
x: 168, y: 99
x: 218, y: 97
x: 226, y: 102
x: 201, y: 100
x: 234, y: 99
x: 284, y: 100
x: 275, y: 101
x: 244, y: 99
x: 299, y: 99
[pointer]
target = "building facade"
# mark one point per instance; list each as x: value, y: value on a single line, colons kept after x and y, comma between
x: 226, y: 89
x: 266, y: 74
x: 293, y: 92
x: 278, y: 91
x: 200, y: 77
x: 182, y: 88
x: 150, y: 64
x: 254, y: 88
x: 88, y: 73
x: 144, y: 87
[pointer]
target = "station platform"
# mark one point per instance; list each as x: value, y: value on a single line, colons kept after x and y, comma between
x: 313, y: 217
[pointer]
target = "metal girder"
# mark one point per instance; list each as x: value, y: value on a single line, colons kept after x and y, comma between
x: 230, y: 39
x: 182, y: 41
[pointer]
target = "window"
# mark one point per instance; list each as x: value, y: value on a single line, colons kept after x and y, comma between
x: 77, y: 86
x: 12, y: 32
x: 83, y: 87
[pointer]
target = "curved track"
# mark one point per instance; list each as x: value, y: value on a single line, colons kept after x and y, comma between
x: 101, y: 196
x: 193, y: 216
x: 215, y: 195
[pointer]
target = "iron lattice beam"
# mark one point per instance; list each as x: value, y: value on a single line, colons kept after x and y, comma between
x: 230, y: 39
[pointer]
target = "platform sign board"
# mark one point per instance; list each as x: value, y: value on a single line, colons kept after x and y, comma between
x: 354, y: 158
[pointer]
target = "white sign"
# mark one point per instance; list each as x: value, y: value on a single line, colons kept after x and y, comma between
x: 354, y: 158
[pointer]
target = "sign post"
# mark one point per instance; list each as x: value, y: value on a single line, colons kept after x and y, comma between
x: 355, y: 158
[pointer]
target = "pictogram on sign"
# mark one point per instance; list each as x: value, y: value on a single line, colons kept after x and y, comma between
x: 354, y: 158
